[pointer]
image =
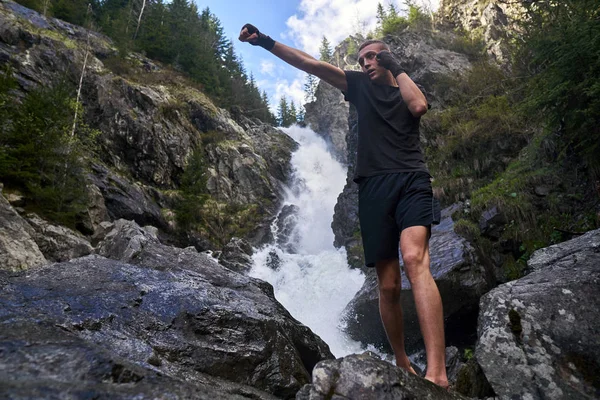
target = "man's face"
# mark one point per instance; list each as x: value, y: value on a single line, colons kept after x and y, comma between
x: 368, y: 62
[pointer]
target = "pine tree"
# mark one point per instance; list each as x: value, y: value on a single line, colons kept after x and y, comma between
x: 381, y: 16
x: 325, y: 50
x: 392, y: 11
x: 282, y: 112
x: 292, y: 114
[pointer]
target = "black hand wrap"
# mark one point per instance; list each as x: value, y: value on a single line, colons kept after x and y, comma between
x: 387, y: 61
x: 263, y: 40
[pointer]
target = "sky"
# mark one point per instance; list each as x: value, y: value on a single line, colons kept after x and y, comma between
x: 297, y: 23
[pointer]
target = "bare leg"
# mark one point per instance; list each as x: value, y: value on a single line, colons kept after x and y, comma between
x: 414, y: 244
x: 389, y: 279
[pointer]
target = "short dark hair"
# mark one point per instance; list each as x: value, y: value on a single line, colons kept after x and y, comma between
x: 373, y: 41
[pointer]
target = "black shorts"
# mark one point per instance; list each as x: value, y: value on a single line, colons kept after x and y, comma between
x: 390, y: 203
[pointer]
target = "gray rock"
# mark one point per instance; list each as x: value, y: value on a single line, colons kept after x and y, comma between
x: 491, y: 223
x: 551, y: 255
x: 286, y: 222
x: 95, y: 213
x: 538, y: 336
x: 366, y: 377
x: 58, y: 243
x: 328, y: 116
x: 453, y: 363
x: 126, y: 200
x: 493, y: 21
x: 18, y: 250
x: 176, y: 313
x: 237, y: 256
x: 459, y: 277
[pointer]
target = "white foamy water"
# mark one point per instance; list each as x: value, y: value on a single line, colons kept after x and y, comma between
x: 311, y: 278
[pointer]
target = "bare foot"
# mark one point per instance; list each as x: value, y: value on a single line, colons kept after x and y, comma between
x: 443, y: 383
x: 405, y: 364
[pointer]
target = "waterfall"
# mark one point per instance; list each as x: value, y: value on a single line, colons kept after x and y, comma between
x: 310, y: 277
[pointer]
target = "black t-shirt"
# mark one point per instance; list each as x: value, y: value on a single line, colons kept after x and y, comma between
x: 388, y: 134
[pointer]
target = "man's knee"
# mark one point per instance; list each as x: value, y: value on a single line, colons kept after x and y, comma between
x: 416, y: 263
x: 389, y: 280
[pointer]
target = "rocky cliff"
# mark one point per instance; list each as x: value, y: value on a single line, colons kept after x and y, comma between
x: 151, y: 120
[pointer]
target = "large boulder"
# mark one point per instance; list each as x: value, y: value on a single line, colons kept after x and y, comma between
x: 460, y: 278
x: 58, y: 243
x: 538, y: 336
x: 161, y: 320
x: 18, y: 250
x: 365, y: 377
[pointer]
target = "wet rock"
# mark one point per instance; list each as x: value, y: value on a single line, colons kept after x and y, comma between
x: 366, y: 377
x: 460, y: 278
x: 56, y: 242
x: 287, y: 236
x: 18, y: 250
x: 237, y: 256
x: 538, y: 336
x: 153, y: 310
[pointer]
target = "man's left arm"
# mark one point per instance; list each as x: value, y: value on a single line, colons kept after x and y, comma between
x: 410, y: 92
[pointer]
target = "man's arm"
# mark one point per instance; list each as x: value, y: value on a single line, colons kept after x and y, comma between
x: 296, y: 58
x: 410, y: 92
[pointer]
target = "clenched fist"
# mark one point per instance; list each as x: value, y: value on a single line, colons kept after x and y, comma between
x: 252, y: 35
x: 387, y: 61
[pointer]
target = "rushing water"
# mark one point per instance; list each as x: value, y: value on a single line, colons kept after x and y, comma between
x: 310, y: 276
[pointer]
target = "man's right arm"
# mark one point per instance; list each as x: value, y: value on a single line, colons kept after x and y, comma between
x: 329, y: 73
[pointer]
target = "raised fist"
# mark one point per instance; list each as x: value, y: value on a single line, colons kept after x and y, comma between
x: 252, y: 35
x: 387, y: 61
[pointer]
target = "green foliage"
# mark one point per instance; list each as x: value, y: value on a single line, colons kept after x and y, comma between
x: 469, y: 43
x: 479, y: 132
x: 175, y: 33
x: 325, y: 50
x: 193, y: 191
x: 561, y: 48
x: 287, y: 114
x: 468, y: 354
x: 41, y: 154
x: 391, y: 22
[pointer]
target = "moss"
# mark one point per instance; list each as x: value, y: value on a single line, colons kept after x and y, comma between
x: 58, y: 37
x: 514, y: 323
x: 467, y: 228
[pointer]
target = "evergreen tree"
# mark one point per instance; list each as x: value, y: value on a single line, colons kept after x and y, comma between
x: 381, y: 16
x: 325, y: 50
x: 392, y: 11
x: 282, y: 112
x: 292, y: 115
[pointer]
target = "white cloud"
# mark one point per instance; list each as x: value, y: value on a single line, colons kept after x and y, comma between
x: 335, y: 19
x: 292, y: 89
x: 267, y: 67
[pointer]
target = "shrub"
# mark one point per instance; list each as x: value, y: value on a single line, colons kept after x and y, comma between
x: 40, y: 151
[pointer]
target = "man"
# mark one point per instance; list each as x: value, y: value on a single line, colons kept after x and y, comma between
x: 395, y: 197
